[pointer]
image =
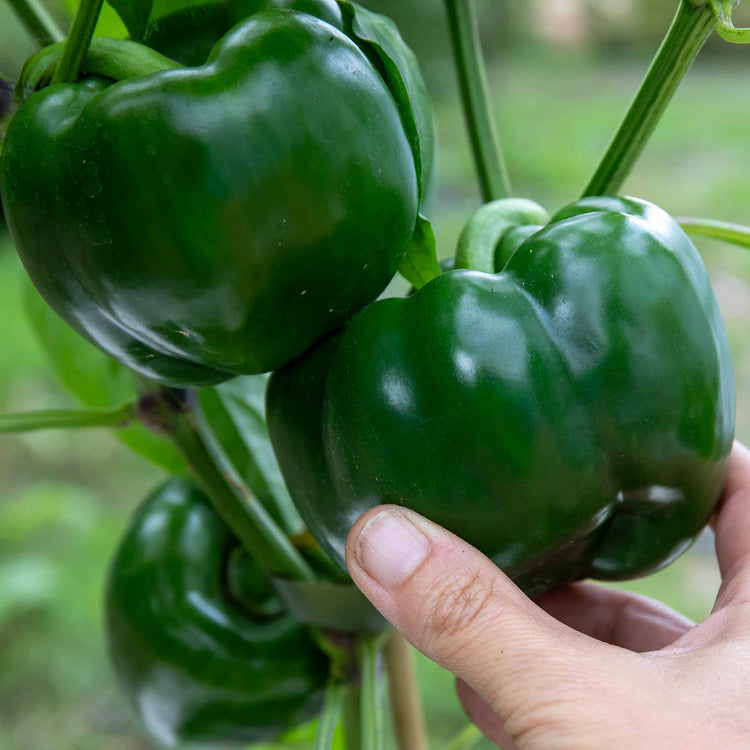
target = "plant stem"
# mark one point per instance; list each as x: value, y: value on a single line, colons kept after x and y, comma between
x: 406, y: 708
x: 371, y: 667
x: 116, y: 59
x: 689, y: 30
x: 38, y: 21
x: 331, y: 716
x: 120, y: 416
x: 353, y: 716
x: 78, y: 40
x: 176, y: 414
x: 467, y: 738
x: 485, y: 144
x: 736, y: 234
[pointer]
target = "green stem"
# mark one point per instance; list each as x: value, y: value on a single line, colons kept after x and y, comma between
x: 38, y: 21
x: 78, y: 40
x: 178, y: 418
x: 689, y: 30
x: 353, y: 716
x: 373, y: 713
x: 331, y: 716
x: 243, y: 513
x: 406, y: 708
x: 736, y: 234
x: 725, y: 26
x: 120, y: 416
x: 485, y: 144
x: 116, y: 59
x: 466, y: 739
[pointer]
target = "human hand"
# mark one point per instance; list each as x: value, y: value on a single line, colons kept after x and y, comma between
x: 584, y: 666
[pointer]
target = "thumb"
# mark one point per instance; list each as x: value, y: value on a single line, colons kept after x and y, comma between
x: 459, y: 609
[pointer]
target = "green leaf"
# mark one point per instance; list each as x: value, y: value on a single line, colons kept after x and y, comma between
x: 138, y: 16
x: 236, y: 413
x: 420, y: 264
x: 401, y: 72
x: 94, y: 379
x: 135, y: 15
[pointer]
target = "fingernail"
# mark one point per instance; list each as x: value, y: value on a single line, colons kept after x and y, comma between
x: 390, y: 547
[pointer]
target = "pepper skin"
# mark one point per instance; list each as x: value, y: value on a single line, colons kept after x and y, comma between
x: 204, y: 222
x: 199, y: 664
x: 570, y: 416
x: 189, y: 34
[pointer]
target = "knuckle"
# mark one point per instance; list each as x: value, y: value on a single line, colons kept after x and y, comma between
x: 456, y: 602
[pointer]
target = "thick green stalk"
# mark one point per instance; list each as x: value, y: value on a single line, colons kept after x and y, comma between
x: 373, y: 714
x: 78, y: 40
x: 69, y: 419
x: 406, y: 707
x: 736, y: 234
x: 38, y: 21
x: 689, y: 30
x: 176, y: 415
x: 353, y: 716
x: 485, y: 144
x: 331, y: 715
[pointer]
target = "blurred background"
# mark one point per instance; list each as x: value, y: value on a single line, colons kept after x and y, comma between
x: 561, y: 75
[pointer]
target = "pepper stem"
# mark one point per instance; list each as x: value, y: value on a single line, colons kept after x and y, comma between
x: 690, y: 28
x: 735, y: 234
x: 353, y: 716
x: 116, y: 59
x: 176, y: 414
x: 406, y: 708
x: 371, y: 670
x: 492, y: 173
x: 331, y: 716
x: 78, y: 40
x: 120, y: 416
x: 38, y: 21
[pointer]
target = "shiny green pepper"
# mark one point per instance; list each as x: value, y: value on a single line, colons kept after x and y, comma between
x: 570, y: 416
x: 203, y: 222
x: 194, y: 636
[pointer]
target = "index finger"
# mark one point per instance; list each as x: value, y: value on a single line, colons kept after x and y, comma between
x: 732, y: 527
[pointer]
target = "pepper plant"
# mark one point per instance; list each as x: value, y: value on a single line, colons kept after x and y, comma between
x: 225, y: 194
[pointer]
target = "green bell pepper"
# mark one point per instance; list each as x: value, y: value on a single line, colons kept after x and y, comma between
x: 195, y: 636
x: 570, y: 416
x: 204, y: 222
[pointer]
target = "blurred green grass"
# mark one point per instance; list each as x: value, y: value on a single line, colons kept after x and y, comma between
x: 66, y: 497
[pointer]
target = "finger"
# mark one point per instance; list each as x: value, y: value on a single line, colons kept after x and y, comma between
x: 459, y: 609
x: 623, y: 619
x: 732, y: 527
x: 480, y: 713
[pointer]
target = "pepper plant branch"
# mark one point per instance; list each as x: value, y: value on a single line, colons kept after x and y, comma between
x: 331, y: 715
x: 690, y: 28
x: 38, y: 21
x: 735, y: 234
x: 118, y: 417
x: 373, y: 718
x: 725, y: 27
x: 406, y: 707
x: 492, y: 173
x: 353, y: 716
x: 176, y: 414
x: 78, y: 40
